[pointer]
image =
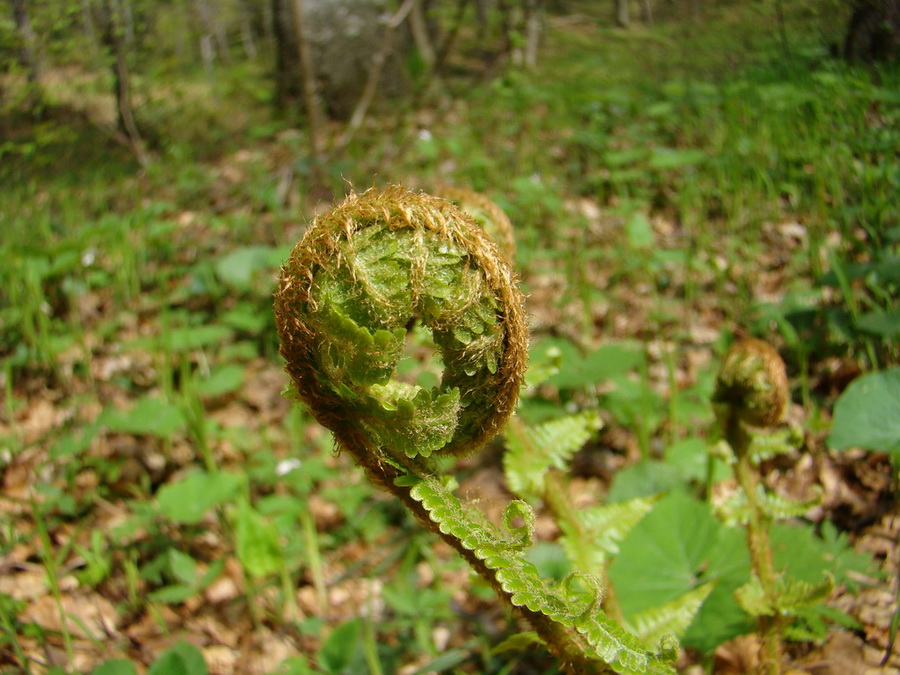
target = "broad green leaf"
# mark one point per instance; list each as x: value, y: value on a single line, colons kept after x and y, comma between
x: 246, y: 317
x: 543, y: 363
x: 691, y: 457
x: 675, y: 158
x: 677, y: 548
x: 188, y: 500
x: 803, y: 555
x: 180, y: 659
x: 75, y: 443
x: 115, y: 667
x: 295, y: 665
x: 182, y: 566
x: 151, y: 416
x: 644, y: 479
x: 239, y: 268
x: 550, y: 560
x: 885, y: 324
x: 610, y: 360
x: 223, y: 380
x: 843, y: 559
x: 342, y: 652
x: 212, y: 573
x: 519, y: 642
x: 639, y: 231
x: 446, y: 662
x: 632, y: 403
x: 867, y: 414
x: 194, y: 337
x: 257, y: 542
x: 173, y: 594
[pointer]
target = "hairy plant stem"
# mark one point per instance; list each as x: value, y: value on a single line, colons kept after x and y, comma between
x: 563, y: 642
x: 770, y: 626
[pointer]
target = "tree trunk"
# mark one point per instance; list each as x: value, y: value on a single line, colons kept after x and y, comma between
x: 622, y: 19
x: 28, y: 50
x: 419, y: 28
x: 110, y: 22
x: 534, y: 23
x: 288, y: 87
x: 248, y: 38
x: 310, y: 97
x: 874, y: 31
x: 343, y: 37
x: 213, y: 42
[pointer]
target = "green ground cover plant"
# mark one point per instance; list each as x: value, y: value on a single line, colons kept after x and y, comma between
x: 672, y: 188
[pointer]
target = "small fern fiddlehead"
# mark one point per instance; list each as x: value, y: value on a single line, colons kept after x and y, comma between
x: 752, y: 389
x: 363, y: 273
x: 486, y: 213
x: 752, y: 384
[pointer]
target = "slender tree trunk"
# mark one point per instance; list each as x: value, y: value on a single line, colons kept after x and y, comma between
x: 310, y: 97
x: 126, y: 23
x: 247, y: 37
x: 408, y: 7
x: 647, y: 12
x: 622, y: 13
x: 28, y: 52
x: 213, y: 42
x: 534, y: 19
x: 288, y: 88
x: 419, y: 29
x: 90, y: 30
x: 873, y: 33
x: 111, y: 31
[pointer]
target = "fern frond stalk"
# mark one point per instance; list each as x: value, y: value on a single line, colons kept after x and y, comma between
x: 752, y: 389
x: 364, y: 273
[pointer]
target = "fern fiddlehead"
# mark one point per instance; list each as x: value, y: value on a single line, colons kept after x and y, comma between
x: 363, y: 273
x: 485, y: 212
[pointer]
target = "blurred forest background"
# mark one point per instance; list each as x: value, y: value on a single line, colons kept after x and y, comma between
x: 678, y: 173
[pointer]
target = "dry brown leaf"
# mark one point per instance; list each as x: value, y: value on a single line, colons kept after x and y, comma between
x: 88, y: 616
x: 24, y: 585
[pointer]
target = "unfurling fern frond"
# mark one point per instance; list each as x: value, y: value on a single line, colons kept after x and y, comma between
x: 674, y: 617
x: 736, y: 511
x: 792, y: 597
x: 599, y: 529
x: 362, y: 275
x: 487, y: 214
x: 504, y: 555
x: 533, y: 450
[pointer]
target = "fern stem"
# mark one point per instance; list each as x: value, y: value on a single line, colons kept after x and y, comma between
x: 346, y: 298
x: 557, y: 498
x: 770, y: 626
x: 563, y: 642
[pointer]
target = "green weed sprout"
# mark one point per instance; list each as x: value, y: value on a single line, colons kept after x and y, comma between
x: 362, y: 275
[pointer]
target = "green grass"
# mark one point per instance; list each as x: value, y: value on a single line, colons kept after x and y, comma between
x: 649, y: 174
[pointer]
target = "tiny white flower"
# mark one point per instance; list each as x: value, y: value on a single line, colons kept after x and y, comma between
x: 285, y: 466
